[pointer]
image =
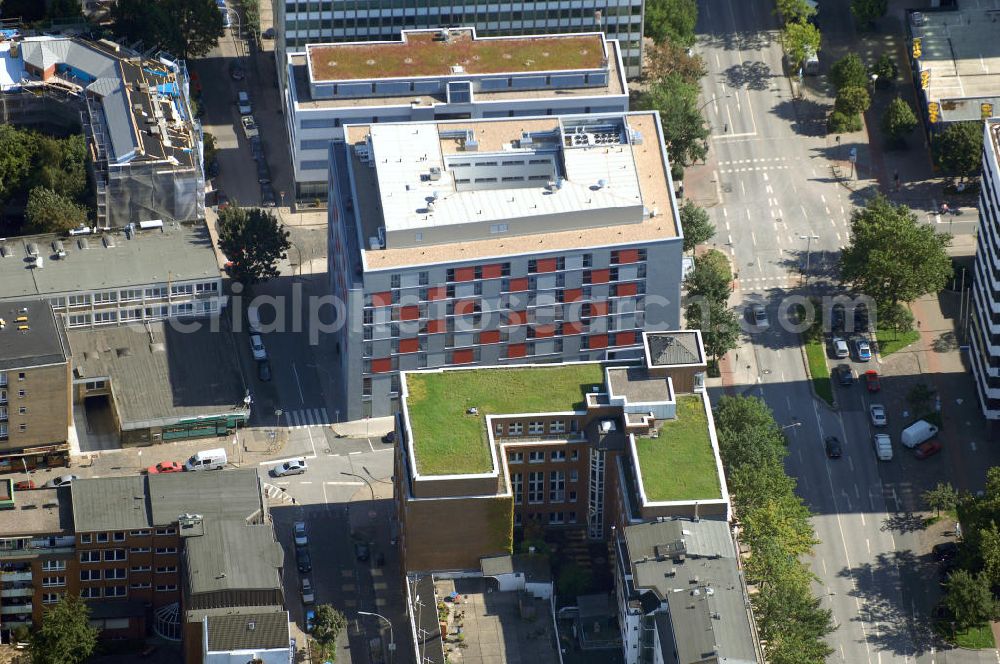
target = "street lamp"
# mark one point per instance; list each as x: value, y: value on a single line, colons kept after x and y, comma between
x: 239, y: 31
x: 392, y: 640
x: 716, y: 97
x: 363, y: 479
x: 277, y: 418
x: 808, y: 239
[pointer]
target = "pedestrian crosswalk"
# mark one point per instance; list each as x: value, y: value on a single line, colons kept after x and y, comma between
x: 307, y: 417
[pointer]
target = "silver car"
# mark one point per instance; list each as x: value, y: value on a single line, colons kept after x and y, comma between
x: 877, y: 412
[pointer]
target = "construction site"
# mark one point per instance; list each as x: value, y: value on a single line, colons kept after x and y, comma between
x: 145, y: 146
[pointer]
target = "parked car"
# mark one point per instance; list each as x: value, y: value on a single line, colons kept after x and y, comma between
x: 249, y: 126
x: 263, y: 172
x: 267, y: 195
x: 257, y: 347
x: 361, y: 551
x: 264, y: 371
x: 299, y: 533
x: 840, y: 349
x: 863, y: 350
x: 257, y: 148
x: 25, y: 485
x: 861, y: 317
x: 290, y: 467
x: 844, y: 375
x: 872, y: 381
x: 834, y: 450
x: 877, y: 412
x: 302, y: 560
x: 758, y: 315
x: 927, y: 449
x: 310, y: 620
x: 389, y: 438
x: 945, y: 551
x: 837, y: 318
x: 62, y: 480
x: 236, y: 71
x: 268, y: 34
x: 883, y: 446
x: 165, y: 467
x: 243, y: 102
x: 214, y: 459
x: 307, y: 591
x: 917, y: 433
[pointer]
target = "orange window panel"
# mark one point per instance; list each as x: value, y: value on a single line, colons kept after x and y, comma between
x: 598, y: 341
x: 382, y: 365
x: 600, y: 276
x: 409, y: 345
x: 516, y: 350
x: 381, y: 299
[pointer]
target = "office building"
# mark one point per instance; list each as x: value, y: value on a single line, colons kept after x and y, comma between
x: 985, y: 319
x: 145, y: 143
x: 580, y: 449
x: 496, y: 242
x: 301, y: 22
x: 425, y: 76
x: 681, y: 595
x: 162, y: 271
x: 35, y: 399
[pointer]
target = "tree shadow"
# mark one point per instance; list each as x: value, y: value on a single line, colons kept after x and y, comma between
x: 807, y: 116
x: 945, y: 342
x: 903, y: 522
x: 752, y: 75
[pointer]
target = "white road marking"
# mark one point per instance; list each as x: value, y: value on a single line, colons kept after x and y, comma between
x: 346, y: 483
x: 295, y: 371
x: 754, y: 238
x: 765, y: 177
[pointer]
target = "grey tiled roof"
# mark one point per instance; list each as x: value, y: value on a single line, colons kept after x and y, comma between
x: 253, y: 631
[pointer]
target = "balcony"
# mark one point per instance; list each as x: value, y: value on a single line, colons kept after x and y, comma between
x: 15, y: 577
x: 25, y: 591
x: 34, y: 551
x: 15, y: 610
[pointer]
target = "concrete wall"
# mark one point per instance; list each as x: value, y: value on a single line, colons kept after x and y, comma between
x: 47, y: 404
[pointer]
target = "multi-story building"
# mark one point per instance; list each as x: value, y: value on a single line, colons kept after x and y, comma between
x: 425, y: 76
x: 985, y: 346
x: 301, y: 22
x: 681, y: 594
x: 586, y: 447
x: 35, y: 400
x: 156, y: 552
x: 145, y: 143
x: 152, y: 273
x: 497, y: 241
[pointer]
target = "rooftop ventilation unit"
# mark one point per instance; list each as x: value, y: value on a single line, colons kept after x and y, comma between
x: 471, y: 142
x: 109, y: 241
x: 59, y: 249
x: 32, y: 249
x: 435, y: 173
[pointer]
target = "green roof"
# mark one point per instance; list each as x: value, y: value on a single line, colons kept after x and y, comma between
x: 680, y: 463
x: 449, y: 441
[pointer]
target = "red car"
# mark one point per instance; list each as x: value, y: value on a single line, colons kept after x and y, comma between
x: 165, y: 467
x: 872, y: 381
x: 24, y: 485
x: 930, y: 448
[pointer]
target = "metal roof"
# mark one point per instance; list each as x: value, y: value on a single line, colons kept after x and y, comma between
x: 175, y: 253
x: 674, y: 348
x: 249, y: 631
x: 42, y: 343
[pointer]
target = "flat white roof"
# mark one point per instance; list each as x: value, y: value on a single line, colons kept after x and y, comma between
x: 11, y: 68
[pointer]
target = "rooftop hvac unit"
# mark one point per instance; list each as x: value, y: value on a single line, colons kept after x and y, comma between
x: 36, y: 261
x: 471, y: 142
x: 109, y: 241
x: 59, y: 249
x: 435, y: 173
x: 32, y: 249
x: 373, y: 243
x: 151, y: 224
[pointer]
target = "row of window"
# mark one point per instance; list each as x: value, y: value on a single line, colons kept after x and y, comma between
x: 122, y: 573
x: 95, y: 556
x: 119, y: 536
x: 555, y: 293
x: 155, y: 312
x: 537, y: 456
x: 553, y: 518
x: 135, y: 294
x: 536, y: 487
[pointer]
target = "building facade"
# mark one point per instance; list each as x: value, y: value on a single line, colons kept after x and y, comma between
x: 413, y: 79
x: 985, y: 345
x: 35, y: 398
x: 497, y: 242
x: 301, y: 22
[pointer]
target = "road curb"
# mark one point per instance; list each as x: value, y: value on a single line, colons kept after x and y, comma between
x: 812, y: 387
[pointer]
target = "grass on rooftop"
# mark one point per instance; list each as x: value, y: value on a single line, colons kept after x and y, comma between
x: 680, y: 463
x: 421, y: 55
x: 448, y: 441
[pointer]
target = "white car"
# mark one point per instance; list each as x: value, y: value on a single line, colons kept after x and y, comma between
x: 291, y: 467
x: 62, y: 480
x: 840, y: 349
x: 307, y: 591
x: 249, y: 126
x: 299, y: 531
x: 877, y: 412
x: 257, y: 348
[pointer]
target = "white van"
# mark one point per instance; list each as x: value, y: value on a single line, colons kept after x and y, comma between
x: 207, y: 460
x: 811, y: 65
x: 883, y: 447
x: 917, y: 433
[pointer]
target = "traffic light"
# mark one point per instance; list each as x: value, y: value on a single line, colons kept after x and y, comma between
x: 925, y: 79
x: 933, y: 111
x: 916, y: 48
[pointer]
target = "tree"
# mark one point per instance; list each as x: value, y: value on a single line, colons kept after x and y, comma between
x: 960, y: 148
x: 989, y: 551
x: 65, y: 635
x: 254, y: 240
x: 327, y: 626
x: 885, y: 68
x: 849, y: 72
x: 185, y: 28
x: 573, y: 580
x: 695, y: 225
x: 896, y: 317
x: 866, y: 11
x: 898, y: 121
x: 892, y: 257
x: 941, y: 497
x: 801, y: 38
x: 671, y: 19
x: 720, y: 329
x: 841, y: 123
x: 684, y: 131
x: 919, y: 397
x: 28, y: 11
x: 50, y: 212
x: 64, y: 9
x: 669, y: 57
x: 852, y: 100
x: 710, y: 277
x: 969, y: 598
x: 16, y: 150
x: 144, y: 20
x: 795, y: 10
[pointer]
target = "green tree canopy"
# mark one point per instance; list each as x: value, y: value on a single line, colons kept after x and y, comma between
x: 16, y: 150
x: 668, y: 57
x: 960, y: 148
x: 710, y: 277
x: 892, y: 257
x: 969, y: 598
x: 885, y: 68
x: 254, y: 240
x: 849, y: 72
x: 185, y: 28
x: 327, y: 626
x: 50, y: 212
x: 801, y: 38
x: 684, y: 130
x: 898, y: 121
x: 867, y: 11
x: 897, y: 317
x: 852, y: 100
x: 671, y: 19
x: 720, y: 329
x: 795, y: 10
x: 65, y: 635
x: 695, y: 225
x: 989, y: 552
x: 941, y: 497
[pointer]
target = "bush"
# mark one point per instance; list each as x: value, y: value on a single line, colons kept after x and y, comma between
x: 886, y: 70
x: 842, y: 123
x: 852, y: 100
x: 898, y: 121
x: 848, y: 72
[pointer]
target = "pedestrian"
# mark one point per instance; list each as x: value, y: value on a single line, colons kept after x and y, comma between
x: 725, y: 128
